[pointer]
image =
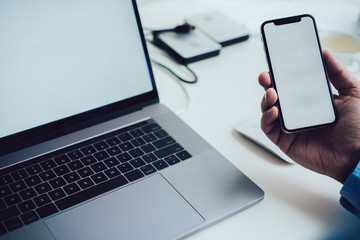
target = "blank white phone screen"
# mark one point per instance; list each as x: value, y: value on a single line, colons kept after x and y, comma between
x: 299, y: 74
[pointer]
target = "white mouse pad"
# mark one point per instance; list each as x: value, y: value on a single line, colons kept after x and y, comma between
x: 251, y: 130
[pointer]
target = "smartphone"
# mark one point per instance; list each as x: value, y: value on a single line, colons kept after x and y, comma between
x: 298, y: 73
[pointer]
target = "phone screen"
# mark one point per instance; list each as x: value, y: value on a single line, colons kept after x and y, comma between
x: 295, y: 60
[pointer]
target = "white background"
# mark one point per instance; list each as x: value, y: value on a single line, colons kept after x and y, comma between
x: 299, y: 204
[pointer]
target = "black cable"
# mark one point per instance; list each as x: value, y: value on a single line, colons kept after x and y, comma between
x: 176, y: 75
x: 169, y: 69
x: 185, y: 28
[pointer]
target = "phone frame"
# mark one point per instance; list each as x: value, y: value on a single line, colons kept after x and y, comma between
x: 289, y: 20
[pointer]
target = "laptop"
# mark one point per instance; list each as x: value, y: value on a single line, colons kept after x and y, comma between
x: 86, y: 149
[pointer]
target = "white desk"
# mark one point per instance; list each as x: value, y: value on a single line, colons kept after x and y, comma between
x: 298, y: 204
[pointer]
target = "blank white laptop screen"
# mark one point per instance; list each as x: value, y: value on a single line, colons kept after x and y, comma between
x: 59, y: 59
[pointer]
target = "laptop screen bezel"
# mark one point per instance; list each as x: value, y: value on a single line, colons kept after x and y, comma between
x: 36, y: 135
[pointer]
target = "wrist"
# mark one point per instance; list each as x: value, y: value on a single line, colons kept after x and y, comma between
x: 350, y: 192
x: 347, y: 170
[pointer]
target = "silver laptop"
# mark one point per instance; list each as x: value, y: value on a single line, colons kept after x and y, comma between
x: 86, y: 150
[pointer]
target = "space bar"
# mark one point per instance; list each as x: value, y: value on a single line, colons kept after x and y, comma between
x: 90, y: 192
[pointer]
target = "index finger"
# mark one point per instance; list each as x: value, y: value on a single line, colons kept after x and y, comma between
x: 265, y: 80
x: 339, y: 76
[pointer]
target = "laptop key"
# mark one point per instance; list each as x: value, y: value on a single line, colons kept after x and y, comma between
x: 172, y: 159
x: 29, y: 217
x: 149, y: 158
x: 57, y: 182
x: 28, y: 193
x: 47, y: 210
x: 98, y: 167
x: 13, y: 224
x: 137, y: 152
x: 113, y: 151
x: 85, y: 183
x: 183, y: 155
x: 26, y: 206
x: 2, y: 229
x: 12, y: 199
x: 126, y: 146
x: 125, y: 167
x: 137, y: 133
x: 33, y: 180
x: 88, y: 160
x: 61, y: 170
x: 161, y: 133
x: 86, y: 171
x: 112, y: 141
x: 2, y: 204
x: 134, y: 175
x: 18, y: 186
x: 62, y: 159
x: 56, y: 194
x: 88, y: 150
x: 124, y: 157
x: 75, y: 155
x: 164, y: 142
x: 101, y: 145
x: 148, y: 169
x: 8, y: 213
x: 42, y: 200
x: 91, y: 192
x: 137, y: 142
x: 101, y: 155
x: 168, y: 150
x: 148, y: 148
x: 34, y: 169
x: 160, y: 164
x: 71, y: 188
x: 4, y: 191
x: 6, y: 179
x: 111, y: 162
x: 149, y: 138
x: 41, y: 188
x: 138, y: 162
x: 71, y: 177
x: 151, y: 128
x: 125, y: 137
x: 48, y: 164
x: 20, y: 174
x: 75, y: 165
x: 48, y: 175
x: 98, y: 178
x: 112, y: 172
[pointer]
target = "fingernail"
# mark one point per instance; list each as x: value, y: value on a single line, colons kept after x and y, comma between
x: 268, y: 112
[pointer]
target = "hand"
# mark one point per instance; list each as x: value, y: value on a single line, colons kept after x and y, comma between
x: 333, y: 151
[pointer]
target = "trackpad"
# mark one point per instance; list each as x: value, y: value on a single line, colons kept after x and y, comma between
x: 149, y: 209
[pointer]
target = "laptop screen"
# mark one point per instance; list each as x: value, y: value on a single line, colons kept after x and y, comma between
x: 63, y: 58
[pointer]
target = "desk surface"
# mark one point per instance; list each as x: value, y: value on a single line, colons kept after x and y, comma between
x: 298, y: 204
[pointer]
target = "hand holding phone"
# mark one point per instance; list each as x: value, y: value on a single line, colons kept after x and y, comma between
x: 297, y: 68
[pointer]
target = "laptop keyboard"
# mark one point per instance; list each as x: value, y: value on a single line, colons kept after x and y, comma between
x: 48, y: 184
